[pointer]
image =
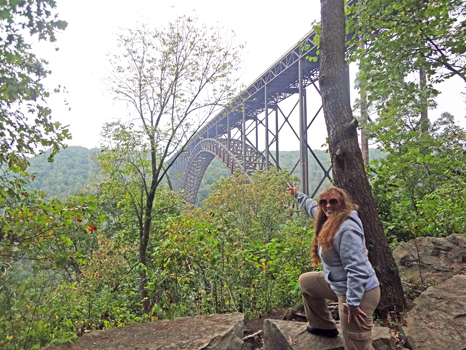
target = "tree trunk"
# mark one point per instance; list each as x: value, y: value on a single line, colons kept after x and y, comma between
x: 145, y: 228
x: 346, y: 157
x: 143, y: 240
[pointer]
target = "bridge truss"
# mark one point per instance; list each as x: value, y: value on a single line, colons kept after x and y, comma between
x: 246, y: 137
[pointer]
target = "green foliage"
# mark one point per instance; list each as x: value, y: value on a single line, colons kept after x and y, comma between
x: 256, y: 209
x: 41, y: 245
x: 126, y: 175
x: 406, y: 35
x: 207, y: 268
x: 51, y: 308
x: 243, y: 251
x: 419, y: 185
x: 72, y: 170
x: 393, y: 41
x: 43, y: 231
x: 25, y: 120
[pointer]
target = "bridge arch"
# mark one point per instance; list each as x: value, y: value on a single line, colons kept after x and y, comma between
x: 232, y: 157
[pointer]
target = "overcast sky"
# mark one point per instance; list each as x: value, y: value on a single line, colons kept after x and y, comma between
x: 269, y: 29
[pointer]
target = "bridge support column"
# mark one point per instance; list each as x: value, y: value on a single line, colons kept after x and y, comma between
x: 243, y: 138
x: 257, y: 133
x: 277, y: 154
x: 229, y: 140
x: 266, y: 102
x: 303, y: 134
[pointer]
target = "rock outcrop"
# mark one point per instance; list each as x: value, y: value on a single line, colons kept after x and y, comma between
x: 437, y: 259
x: 213, y: 332
x: 438, y: 319
x: 286, y: 335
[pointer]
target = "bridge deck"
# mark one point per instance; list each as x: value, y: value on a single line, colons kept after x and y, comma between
x: 281, y: 80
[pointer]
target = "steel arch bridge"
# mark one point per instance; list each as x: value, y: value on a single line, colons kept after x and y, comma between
x: 247, y: 136
x: 229, y: 154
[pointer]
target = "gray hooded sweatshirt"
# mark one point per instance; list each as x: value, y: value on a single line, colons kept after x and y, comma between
x: 346, y: 267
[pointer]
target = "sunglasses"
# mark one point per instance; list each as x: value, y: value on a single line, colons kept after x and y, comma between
x: 332, y: 201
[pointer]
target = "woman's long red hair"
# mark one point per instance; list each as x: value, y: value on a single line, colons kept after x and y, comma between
x: 325, y: 228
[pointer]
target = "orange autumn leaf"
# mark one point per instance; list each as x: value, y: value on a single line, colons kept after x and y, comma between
x: 91, y: 228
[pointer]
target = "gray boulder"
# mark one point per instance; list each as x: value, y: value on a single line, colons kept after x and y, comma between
x: 287, y: 335
x: 437, y: 259
x: 438, y: 319
x: 213, y: 332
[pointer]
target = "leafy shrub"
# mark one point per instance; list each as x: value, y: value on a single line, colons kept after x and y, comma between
x: 419, y: 186
x: 205, y: 267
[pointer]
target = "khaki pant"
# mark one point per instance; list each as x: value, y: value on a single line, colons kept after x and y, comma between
x: 315, y: 292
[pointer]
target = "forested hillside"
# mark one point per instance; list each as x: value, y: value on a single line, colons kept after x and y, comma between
x: 70, y: 172
x: 73, y: 169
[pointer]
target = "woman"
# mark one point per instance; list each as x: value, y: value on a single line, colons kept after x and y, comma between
x: 347, y: 275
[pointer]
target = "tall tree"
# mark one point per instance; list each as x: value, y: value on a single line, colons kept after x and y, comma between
x: 172, y: 80
x: 402, y: 38
x: 419, y: 186
x: 346, y: 157
x: 408, y: 35
x: 26, y: 127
